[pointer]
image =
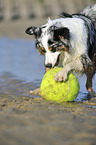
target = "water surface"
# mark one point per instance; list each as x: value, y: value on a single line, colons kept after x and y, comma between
x: 20, y: 58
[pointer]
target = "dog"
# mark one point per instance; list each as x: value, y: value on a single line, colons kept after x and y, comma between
x: 70, y: 41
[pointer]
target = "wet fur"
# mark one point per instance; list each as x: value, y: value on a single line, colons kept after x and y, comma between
x: 70, y: 40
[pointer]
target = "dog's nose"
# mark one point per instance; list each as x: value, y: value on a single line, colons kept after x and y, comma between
x: 49, y: 65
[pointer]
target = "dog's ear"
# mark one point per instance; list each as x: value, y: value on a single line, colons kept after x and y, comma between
x: 62, y: 32
x: 34, y: 31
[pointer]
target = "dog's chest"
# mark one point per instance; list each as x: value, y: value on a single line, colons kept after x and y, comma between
x: 65, y: 58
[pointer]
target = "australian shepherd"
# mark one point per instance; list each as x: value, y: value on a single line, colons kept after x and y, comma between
x: 70, y: 41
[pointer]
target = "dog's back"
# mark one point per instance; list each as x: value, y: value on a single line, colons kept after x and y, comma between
x: 91, y: 13
x: 89, y: 17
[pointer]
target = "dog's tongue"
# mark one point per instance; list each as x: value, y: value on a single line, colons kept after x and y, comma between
x: 47, y: 69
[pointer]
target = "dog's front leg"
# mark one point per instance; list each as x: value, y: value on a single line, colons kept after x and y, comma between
x: 74, y: 65
x: 62, y: 75
x: 35, y: 92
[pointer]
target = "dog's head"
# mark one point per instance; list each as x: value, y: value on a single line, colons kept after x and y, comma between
x: 51, y: 40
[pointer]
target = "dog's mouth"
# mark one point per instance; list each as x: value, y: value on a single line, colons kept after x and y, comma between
x: 47, y: 69
x: 57, y: 62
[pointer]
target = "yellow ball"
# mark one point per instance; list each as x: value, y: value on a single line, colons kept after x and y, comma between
x: 59, y: 91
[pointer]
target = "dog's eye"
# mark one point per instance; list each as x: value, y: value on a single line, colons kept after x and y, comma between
x: 50, y: 42
x: 53, y: 49
x: 42, y: 50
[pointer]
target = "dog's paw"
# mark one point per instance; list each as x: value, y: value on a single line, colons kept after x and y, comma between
x: 35, y: 92
x: 61, y: 76
x: 92, y: 93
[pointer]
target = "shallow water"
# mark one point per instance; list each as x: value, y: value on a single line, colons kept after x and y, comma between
x: 18, y: 56
x: 20, y: 63
x: 23, y: 115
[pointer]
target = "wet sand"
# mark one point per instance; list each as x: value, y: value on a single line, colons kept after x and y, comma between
x: 26, y: 119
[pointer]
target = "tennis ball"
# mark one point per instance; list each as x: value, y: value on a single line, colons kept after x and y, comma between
x: 59, y: 91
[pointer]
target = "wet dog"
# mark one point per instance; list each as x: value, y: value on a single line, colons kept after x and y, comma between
x: 70, y: 41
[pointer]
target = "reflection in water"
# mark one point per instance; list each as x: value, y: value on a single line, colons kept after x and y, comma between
x: 20, y: 58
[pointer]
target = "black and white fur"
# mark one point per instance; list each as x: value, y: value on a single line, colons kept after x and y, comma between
x: 70, y: 40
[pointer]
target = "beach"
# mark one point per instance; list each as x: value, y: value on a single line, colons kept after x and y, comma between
x: 27, y: 119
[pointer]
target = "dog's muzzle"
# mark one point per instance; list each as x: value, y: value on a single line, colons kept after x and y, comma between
x: 49, y: 65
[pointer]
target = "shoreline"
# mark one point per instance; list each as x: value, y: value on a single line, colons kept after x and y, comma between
x: 26, y: 119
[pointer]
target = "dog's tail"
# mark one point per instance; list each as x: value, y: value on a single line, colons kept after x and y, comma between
x: 90, y: 11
